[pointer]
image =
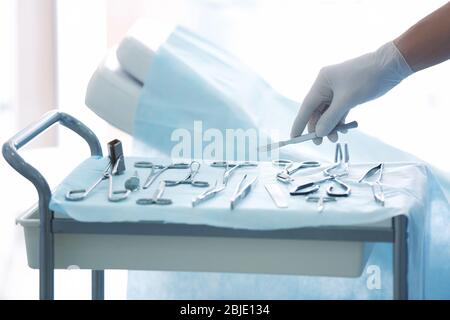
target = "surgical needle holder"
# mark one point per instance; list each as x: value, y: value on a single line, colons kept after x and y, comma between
x: 157, y: 169
x: 194, y: 168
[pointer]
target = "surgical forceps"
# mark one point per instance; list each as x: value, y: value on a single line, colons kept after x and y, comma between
x: 81, y: 194
x: 194, y: 168
x: 290, y: 167
x: 161, y: 169
x: 241, y: 191
x: 339, y: 169
x: 377, y: 172
x: 208, y: 194
x: 231, y: 167
x: 157, y: 197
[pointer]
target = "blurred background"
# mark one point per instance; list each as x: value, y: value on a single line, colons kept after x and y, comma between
x: 50, y: 48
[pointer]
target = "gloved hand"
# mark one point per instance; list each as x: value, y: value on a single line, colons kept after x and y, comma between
x: 339, y: 88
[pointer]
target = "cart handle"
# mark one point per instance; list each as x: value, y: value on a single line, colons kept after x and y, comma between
x: 11, y: 155
x: 11, y: 147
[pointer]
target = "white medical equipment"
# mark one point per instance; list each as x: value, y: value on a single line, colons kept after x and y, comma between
x: 278, y: 196
x: 115, y: 87
x: 100, y: 246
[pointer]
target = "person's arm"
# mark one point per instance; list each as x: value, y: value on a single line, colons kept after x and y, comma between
x: 427, y: 43
x: 339, y: 88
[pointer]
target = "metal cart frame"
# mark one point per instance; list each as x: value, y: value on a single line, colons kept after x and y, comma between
x: 49, y: 225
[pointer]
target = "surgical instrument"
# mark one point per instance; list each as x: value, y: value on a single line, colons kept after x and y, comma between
x: 339, y: 169
x: 225, y: 164
x: 115, y: 152
x: 291, y: 167
x: 341, y: 160
x: 80, y: 194
x: 241, y: 191
x: 112, y: 195
x: 277, y: 195
x: 157, y: 197
x: 131, y: 184
x: 208, y: 194
x: 194, y: 168
x: 148, y: 165
x: 305, y: 189
x: 377, y: 172
x: 161, y: 169
x: 303, y: 138
x: 231, y: 167
x: 145, y: 165
x: 320, y: 201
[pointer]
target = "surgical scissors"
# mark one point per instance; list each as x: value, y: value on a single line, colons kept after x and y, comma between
x: 378, y: 195
x: 291, y: 167
x: 194, y: 168
x: 161, y: 169
x: 157, y: 197
x: 81, y: 194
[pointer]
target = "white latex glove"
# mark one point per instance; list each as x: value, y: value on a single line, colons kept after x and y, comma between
x: 339, y: 88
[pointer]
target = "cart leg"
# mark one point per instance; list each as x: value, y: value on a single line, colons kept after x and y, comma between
x: 46, y: 258
x: 400, y: 225
x: 98, y: 285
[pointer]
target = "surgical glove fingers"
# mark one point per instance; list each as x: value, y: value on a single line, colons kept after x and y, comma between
x: 345, y: 85
x: 319, y: 96
x: 333, y: 135
x: 313, y: 121
x: 331, y: 117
